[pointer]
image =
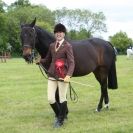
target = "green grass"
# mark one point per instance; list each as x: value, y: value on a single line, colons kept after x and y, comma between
x: 24, y: 107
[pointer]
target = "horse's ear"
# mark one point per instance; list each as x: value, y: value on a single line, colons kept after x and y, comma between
x: 33, y: 23
x: 21, y: 25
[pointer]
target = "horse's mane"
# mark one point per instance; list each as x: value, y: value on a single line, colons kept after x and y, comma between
x: 49, y: 37
x: 44, y: 39
x: 45, y: 35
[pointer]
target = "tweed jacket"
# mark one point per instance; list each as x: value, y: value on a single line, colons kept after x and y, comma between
x: 64, y: 52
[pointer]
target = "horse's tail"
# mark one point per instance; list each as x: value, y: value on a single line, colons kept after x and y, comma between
x: 112, y: 76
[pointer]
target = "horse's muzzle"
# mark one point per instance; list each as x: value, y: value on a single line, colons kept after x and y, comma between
x: 27, y: 54
x: 27, y: 57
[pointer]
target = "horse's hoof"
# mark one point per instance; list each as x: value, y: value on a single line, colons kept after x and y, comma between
x: 106, y: 106
x: 98, y: 110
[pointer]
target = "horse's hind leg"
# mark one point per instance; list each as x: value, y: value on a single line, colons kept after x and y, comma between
x: 105, y: 93
x: 101, y: 76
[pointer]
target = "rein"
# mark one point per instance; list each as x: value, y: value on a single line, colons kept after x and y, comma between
x: 73, y: 97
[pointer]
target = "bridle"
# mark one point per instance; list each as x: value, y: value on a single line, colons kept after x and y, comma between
x: 32, y: 55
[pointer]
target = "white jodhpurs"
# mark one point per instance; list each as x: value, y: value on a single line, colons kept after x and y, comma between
x: 52, y: 87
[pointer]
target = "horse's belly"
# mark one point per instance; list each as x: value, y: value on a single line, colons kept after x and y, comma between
x: 83, y: 69
x: 80, y: 73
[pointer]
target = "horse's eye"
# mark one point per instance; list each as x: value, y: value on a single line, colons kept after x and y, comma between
x: 32, y: 30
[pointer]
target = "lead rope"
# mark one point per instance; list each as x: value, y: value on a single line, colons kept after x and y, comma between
x: 73, y: 94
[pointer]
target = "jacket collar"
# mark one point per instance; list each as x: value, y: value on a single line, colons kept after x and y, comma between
x: 62, y: 42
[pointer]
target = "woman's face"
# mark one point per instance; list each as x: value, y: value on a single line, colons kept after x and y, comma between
x: 59, y: 35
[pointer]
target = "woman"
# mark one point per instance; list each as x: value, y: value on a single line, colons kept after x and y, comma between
x: 61, y: 61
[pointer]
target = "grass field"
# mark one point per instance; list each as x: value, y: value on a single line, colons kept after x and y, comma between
x: 24, y: 107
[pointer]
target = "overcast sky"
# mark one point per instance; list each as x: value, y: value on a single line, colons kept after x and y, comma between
x: 119, y: 13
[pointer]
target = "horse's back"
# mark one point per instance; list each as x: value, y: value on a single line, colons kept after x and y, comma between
x: 85, y: 56
x: 89, y: 54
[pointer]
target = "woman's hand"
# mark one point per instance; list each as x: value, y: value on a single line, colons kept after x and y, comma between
x: 39, y: 61
x: 67, y: 78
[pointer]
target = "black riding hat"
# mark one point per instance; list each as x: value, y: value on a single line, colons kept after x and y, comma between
x: 60, y: 28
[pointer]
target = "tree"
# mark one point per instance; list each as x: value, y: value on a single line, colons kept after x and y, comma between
x: 2, y: 5
x: 3, y: 27
x: 121, y: 41
x: 79, y: 35
x: 81, y: 19
x: 20, y: 3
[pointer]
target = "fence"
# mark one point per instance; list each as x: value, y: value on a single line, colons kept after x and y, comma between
x: 4, y: 56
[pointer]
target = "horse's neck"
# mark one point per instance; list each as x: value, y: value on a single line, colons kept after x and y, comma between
x: 44, y: 39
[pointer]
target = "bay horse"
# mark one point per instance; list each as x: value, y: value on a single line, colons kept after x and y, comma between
x: 91, y: 55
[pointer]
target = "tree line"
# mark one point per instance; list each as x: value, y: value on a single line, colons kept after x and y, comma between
x: 81, y: 24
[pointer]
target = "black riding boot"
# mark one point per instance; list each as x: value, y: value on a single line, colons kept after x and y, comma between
x: 58, y: 101
x: 62, y: 114
x: 67, y: 111
x: 56, y: 110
